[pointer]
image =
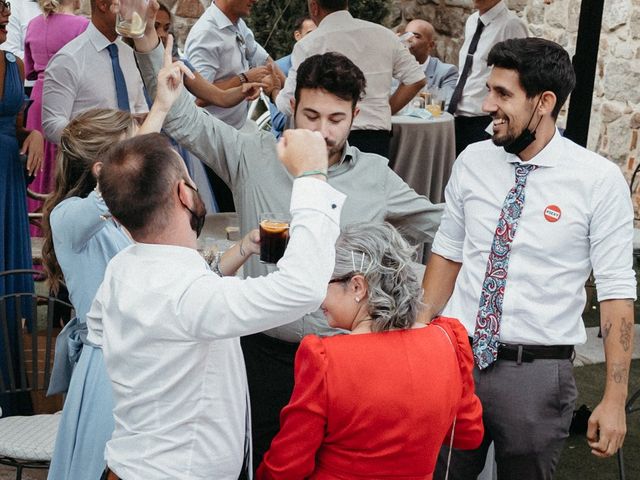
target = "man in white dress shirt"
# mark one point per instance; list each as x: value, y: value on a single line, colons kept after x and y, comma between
x: 22, y: 12
x: 377, y: 52
x: 82, y: 75
x: 527, y: 217
x: 224, y: 51
x: 169, y: 326
x: 498, y: 24
x: 439, y: 74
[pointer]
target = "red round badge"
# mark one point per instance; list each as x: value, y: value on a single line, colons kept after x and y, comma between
x: 552, y: 213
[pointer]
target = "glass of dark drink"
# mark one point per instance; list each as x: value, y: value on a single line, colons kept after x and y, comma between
x: 274, y: 236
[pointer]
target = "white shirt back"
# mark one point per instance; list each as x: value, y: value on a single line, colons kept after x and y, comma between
x: 373, y: 48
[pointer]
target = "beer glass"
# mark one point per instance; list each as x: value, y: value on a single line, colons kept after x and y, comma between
x: 131, y: 20
x: 274, y: 236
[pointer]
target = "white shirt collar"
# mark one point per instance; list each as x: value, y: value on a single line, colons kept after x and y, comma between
x: 547, y: 157
x: 219, y: 18
x: 97, y: 39
x: 493, y: 13
x: 336, y: 18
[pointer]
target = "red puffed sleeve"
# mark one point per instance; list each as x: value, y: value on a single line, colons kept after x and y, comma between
x: 302, y: 422
x: 469, y: 429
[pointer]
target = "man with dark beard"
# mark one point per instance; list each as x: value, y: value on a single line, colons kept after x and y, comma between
x: 169, y: 326
x: 521, y: 294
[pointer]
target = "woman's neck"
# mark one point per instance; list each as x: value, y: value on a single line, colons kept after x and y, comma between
x: 362, y: 326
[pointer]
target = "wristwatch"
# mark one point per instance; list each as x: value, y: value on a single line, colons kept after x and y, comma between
x: 243, y: 78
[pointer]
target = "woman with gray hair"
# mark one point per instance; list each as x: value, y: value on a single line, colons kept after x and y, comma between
x: 382, y: 403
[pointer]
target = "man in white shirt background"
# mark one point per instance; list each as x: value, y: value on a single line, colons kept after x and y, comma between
x: 222, y: 48
x: 169, y: 326
x: 95, y: 70
x: 443, y: 76
x: 377, y: 52
x: 22, y: 12
x: 498, y: 23
x: 560, y: 212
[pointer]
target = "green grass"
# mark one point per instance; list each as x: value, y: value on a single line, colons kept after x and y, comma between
x: 576, y: 461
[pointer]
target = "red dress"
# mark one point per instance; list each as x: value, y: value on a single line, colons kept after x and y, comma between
x: 376, y: 405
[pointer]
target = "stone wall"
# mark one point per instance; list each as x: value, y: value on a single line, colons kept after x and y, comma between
x: 615, y: 115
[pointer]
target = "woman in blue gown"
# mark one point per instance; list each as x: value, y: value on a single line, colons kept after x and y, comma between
x: 15, y: 245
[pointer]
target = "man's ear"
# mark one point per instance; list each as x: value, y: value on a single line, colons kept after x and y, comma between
x: 292, y: 102
x: 184, y: 194
x: 356, y: 112
x: 547, y: 103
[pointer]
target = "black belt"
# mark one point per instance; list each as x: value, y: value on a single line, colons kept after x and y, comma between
x: 529, y: 353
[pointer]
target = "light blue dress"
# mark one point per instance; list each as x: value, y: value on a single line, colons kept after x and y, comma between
x: 84, y: 243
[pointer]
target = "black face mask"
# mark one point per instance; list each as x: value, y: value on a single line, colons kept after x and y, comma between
x: 526, y: 138
x: 197, y: 216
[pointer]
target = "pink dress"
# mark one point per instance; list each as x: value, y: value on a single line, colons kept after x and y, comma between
x: 44, y: 37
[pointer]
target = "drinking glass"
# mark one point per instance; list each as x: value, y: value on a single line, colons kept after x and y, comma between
x: 131, y: 20
x: 274, y: 235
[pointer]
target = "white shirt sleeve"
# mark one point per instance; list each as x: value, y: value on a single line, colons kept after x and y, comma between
x: 283, y: 100
x: 611, y: 239
x: 450, y: 236
x: 59, y: 93
x: 406, y: 69
x: 214, y: 307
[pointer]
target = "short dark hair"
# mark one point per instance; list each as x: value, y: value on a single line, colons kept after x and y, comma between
x: 297, y: 26
x: 542, y: 66
x: 334, y: 73
x: 333, y: 5
x: 165, y: 9
x: 137, y: 180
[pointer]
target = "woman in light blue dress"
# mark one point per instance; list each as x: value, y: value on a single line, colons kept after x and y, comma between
x: 80, y: 239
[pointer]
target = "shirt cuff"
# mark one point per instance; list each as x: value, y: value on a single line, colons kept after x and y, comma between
x: 447, y: 248
x: 311, y: 193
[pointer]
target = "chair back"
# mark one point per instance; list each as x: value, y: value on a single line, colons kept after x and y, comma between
x: 27, y: 339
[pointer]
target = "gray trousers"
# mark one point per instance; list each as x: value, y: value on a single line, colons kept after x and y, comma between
x: 527, y: 411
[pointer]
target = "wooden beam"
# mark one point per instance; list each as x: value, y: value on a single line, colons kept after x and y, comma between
x: 585, y: 63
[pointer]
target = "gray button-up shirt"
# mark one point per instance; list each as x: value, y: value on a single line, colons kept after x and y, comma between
x: 220, y: 49
x: 249, y: 164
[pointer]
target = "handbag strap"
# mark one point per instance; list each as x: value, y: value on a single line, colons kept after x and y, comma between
x: 453, y: 426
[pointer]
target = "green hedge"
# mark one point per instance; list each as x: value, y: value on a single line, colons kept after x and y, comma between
x: 272, y: 20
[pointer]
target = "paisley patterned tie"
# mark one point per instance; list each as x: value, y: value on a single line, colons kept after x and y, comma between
x: 487, y: 333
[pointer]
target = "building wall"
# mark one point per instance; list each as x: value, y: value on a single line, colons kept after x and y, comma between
x: 615, y: 114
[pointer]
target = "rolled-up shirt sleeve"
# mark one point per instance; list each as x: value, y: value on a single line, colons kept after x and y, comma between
x: 611, y: 239
x: 449, y: 239
x: 405, y: 67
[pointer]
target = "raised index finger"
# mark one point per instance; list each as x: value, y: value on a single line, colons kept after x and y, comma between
x: 168, y: 59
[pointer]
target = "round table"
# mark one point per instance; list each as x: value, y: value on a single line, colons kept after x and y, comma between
x: 422, y: 152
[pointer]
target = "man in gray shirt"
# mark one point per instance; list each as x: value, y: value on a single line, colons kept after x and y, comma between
x: 327, y: 91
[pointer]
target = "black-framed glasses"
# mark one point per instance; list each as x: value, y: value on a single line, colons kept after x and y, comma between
x: 5, y: 6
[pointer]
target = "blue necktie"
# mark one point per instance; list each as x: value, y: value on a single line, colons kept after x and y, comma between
x: 118, y: 76
x: 486, y: 338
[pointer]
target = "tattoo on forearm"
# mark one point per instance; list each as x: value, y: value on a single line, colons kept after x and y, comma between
x: 625, y: 334
x: 619, y: 373
x: 606, y: 330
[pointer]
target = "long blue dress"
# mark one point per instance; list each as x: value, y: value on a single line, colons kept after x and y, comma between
x: 15, y: 245
x: 84, y: 242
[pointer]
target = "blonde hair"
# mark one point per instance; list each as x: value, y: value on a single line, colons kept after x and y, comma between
x: 52, y: 6
x: 83, y: 141
x: 49, y: 6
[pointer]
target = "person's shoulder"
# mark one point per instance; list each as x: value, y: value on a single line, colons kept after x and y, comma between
x: 72, y: 48
x: 590, y: 161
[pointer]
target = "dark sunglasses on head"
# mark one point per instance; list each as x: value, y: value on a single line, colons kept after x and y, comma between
x: 5, y: 6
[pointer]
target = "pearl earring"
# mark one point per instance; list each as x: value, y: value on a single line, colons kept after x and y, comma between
x: 357, y: 300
